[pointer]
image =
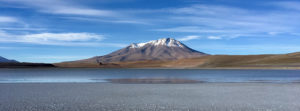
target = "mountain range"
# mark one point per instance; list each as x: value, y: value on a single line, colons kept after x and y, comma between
x: 170, y: 53
x: 7, y: 63
x: 4, y: 60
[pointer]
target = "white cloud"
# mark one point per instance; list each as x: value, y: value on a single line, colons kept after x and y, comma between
x: 193, y: 29
x: 61, y: 7
x: 207, y: 10
x: 229, y: 21
x: 11, y: 23
x: 80, y: 11
x: 62, y: 37
x: 193, y: 37
x: 8, y: 19
x: 75, y: 10
x: 93, y: 19
x: 247, y: 48
x: 187, y: 38
x: 214, y: 37
x: 59, y: 39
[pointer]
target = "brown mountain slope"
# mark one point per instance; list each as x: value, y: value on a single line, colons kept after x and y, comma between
x: 291, y: 60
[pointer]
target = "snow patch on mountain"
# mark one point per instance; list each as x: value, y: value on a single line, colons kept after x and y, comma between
x: 169, y: 42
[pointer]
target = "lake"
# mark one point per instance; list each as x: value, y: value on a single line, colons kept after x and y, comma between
x: 90, y: 75
x: 71, y: 89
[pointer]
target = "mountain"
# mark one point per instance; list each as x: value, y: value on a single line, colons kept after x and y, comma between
x: 162, y: 49
x: 157, y: 50
x: 4, y: 60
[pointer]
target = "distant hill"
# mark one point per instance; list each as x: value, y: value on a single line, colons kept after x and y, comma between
x: 26, y: 65
x: 4, y: 60
x: 6, y: 63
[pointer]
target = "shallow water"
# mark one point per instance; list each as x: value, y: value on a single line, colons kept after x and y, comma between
x: 159, y: 90
x: 149, y: 97
x: 72, y: 75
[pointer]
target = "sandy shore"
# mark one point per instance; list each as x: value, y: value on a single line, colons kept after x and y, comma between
x: 150, y: 97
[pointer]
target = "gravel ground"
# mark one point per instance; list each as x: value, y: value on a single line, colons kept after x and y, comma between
x: 150, y: 97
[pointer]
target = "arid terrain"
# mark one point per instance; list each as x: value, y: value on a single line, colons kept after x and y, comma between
x: 281, y: 61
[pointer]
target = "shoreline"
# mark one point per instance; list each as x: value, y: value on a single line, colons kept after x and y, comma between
x: 217, y: 68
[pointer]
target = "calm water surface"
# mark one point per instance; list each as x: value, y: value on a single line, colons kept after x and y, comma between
x: 54, y: 75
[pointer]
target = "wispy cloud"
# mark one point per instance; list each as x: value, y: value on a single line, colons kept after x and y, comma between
x: 243, y: 49
x: 61, y: 7
x: 60, y: 39
x: 193, y: 29
x: 80, y: 11
x: 8, y: 19
x: 48, y: 37
x: 214, y: 37
x: 187, y: 38
x: 194, y: 37
x: 75, y: 10
x: 11, y: 23
x: 24, y: 34
x: 230, y: 22
x: 111, y: 20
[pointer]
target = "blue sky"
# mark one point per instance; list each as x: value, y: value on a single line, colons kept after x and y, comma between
x: 63, y: 30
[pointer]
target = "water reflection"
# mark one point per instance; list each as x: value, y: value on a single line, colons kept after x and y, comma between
x: 145, y: 76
